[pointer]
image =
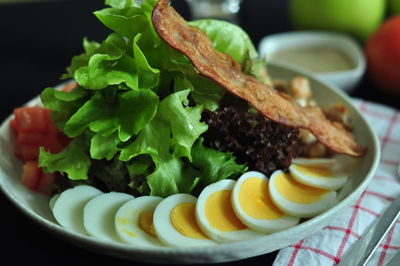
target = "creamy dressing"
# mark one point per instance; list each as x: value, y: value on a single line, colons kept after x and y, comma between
x: 316, y: 59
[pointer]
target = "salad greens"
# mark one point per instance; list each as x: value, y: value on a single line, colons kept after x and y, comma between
x: 139, y: 104
x: 221, y: 35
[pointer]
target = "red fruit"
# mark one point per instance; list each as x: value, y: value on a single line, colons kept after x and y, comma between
x: 31, y: 175
x: 383, y: 56
x: 31, y: 119
x: 45, y: 182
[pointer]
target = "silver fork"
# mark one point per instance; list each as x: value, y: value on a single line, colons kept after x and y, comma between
x: 360, y: 253
x: 395, y: 260
x: 398, y: 170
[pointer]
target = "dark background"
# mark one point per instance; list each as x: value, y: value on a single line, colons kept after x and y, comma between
x: 37, y: 41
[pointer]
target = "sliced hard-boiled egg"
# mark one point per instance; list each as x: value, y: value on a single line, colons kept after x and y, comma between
x: 134, y: 221
x: 315, y: 162
x: 99, y: 214
x: 68, y: 207
x: 319, y: 177
x: 297, y: 199
x: 53, y: 201
x: 253, y: 205
x: 215, y: 214
x: 175, y: 222
x: 346, y: 164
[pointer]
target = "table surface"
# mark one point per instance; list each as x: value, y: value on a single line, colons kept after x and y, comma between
x: 38, y: 41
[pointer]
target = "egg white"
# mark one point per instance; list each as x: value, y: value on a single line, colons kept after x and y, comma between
x: 300, y: 210
x: 68, y: 207
x: 258, y: 224
x: 99, y: 215
x: 53, y: 201
x: 127, y: 221
x: 334, y: 182
x: 166, y: 231
x: 318, y: 162
x: 214, y: 233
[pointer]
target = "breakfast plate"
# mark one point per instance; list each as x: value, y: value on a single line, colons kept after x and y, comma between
x: 36, y: 206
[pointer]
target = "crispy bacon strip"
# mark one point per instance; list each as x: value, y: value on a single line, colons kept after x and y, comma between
x: 221, y: 68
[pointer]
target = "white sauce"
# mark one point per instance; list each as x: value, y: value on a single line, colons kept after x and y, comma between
x: 316, y: 59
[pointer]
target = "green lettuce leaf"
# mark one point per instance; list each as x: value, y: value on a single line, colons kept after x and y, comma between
x: 61, y: 101
x: 108, y: 66
x: 63, y: 104
x: 128, y: 114
x: 114, y: 63
x: 204, y: 91
x: 148, y: 76
x: 171, y: 177
x: 104, y: 146
x: 228, y: 38
x: 184, y: 122
x: 73, y: 160
x: 120, y: 3
x: 78, y: 61
x: 215, y: 165
x: 168, y: 138
x: 127, y: 21
x: 174, y: 128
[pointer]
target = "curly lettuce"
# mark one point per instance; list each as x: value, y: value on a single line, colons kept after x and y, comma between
x: 138, y: 107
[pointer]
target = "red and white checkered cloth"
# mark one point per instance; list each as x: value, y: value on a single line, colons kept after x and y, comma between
x: 327, y: 246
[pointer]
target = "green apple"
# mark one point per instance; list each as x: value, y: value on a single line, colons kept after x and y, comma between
x: 394, y: 7
x: 359, y: 18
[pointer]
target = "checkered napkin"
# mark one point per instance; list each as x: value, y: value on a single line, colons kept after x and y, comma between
x: 327, y: 246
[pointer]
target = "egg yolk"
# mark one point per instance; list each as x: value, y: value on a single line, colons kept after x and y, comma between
x: 146, y: 222
x: 129, y: 233
x: 219, y: 212
x: 183, y: 218
x: 254, y: 199
x: 313, y: 171
x: 296, y: 192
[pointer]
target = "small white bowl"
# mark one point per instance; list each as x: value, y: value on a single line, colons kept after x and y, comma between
x: 344, y: 79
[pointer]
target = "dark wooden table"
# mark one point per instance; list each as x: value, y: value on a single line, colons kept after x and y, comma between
x: 37, y: 41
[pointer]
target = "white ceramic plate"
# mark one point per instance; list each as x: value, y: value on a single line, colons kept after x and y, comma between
x: 37, y: 208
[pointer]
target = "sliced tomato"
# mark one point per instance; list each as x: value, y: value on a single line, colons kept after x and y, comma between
x: 53, y: 145
x: 32, y: 119
x: 45, y: 182
x: 31, y: 174
x: 63, y: 139
x: 13, y: 126
x: 32, y: 138
x: 33, y: 129
x: 28, y: 152
x: 18, y: 153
